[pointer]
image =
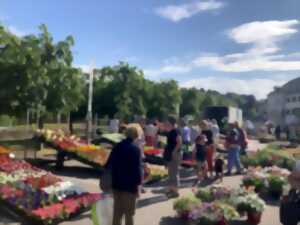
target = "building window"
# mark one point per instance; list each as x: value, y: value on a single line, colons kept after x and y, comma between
x: 287, y: 112
x: 294, y: 99
x: 299, y: 98
x: 288, y: 100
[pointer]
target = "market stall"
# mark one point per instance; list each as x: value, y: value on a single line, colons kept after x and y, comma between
x: 96, y: 156
x: 38, y: 197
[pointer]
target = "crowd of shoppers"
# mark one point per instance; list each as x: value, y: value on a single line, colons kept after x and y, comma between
x: 126, y: 159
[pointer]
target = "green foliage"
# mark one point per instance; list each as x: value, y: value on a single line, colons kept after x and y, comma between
x: 37, y: 74
x: 269, y: 157
x: 123, y: 91
x: 276, y: 184
x: 7, y: 121
x: 205, y: 195
x: 257, y: 183
x: 185, y: 204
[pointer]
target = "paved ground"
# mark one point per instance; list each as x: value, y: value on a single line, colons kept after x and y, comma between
x: 153, y: 208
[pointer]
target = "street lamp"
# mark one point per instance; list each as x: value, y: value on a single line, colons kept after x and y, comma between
x: 89, y: 108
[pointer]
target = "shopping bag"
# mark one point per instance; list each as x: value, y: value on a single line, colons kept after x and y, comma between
x: 102, y: 211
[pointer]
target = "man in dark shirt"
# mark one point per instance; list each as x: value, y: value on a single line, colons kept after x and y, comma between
x: 125, y: 165
x: 172, y: 156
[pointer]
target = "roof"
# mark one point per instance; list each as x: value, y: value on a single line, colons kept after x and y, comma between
x: 292, y: 87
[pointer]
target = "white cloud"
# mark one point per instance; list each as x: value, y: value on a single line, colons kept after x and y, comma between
x: 260, y: 87
x: 16, y: 31
x: 262, y: 55
x: 171, y: 69
x: 175, y: 13
x: 85, y: 68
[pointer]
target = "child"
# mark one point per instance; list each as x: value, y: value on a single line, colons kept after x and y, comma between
x: 219, y: 164
x: 199, y: 154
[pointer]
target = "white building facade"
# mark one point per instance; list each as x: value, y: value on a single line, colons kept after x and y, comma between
x: 283, y: 105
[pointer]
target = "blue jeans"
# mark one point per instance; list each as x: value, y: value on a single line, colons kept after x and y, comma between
x: 234, y: 159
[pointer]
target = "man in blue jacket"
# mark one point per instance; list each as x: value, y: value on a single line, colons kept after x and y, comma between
x: 125, y: 165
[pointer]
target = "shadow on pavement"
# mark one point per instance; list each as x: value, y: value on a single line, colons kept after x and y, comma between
x: 172, y: 221
x: 151, y: 201
x: 77, y: 171
x: 177, y: 221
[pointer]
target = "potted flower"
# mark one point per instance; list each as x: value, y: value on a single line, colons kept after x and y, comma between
x: 276, y: 185
x: 205, y: 195
x: 255, y: 208
x: 208, y: 214
x: 185, y: 205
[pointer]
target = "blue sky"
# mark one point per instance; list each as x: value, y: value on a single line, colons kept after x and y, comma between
x: 227, y: 45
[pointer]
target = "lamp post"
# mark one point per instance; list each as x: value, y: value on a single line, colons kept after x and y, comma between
x: 89, y: 109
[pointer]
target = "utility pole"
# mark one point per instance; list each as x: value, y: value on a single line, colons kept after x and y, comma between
x: 89, y: 109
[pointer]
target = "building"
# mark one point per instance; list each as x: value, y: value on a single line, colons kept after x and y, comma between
x: 283, y: 105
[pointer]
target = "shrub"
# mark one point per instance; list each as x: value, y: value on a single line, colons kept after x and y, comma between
x: 7, y: 121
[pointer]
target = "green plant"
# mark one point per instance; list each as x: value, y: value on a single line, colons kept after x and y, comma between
x: 184, y: 205
x: 269, y: 157
x: 257, y: 183
x: 250, y: 203
x: 7, y: 121
x: 229, y: 211
x: 276, y: 185
x: 205, y: 195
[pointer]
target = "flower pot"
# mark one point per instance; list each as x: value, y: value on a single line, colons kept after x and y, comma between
x: 184, y: 215
x: 222, y: 222
x: 254, y: 218
x: 242, y: 213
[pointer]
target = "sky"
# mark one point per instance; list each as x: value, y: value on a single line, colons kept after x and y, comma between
x: 241, y: 46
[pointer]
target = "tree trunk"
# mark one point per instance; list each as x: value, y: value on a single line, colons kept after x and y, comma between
x: 41, y: 122
x: 70, y: 122
x: 28, y: 119
x: 58, y: 118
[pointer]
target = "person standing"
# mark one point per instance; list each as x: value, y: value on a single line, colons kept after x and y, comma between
x: 186, y: 140
x: 172, y: 156
x: 151, y: 134
x: 215, y: 130
x: 278, y: 132
x: 114, y: 125
x: 233, y: 148
x: 199, y: 155
x: 125, y: 165
x: 243, y: 142
x: 205, y: 130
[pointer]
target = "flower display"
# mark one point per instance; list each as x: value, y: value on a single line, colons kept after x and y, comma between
x: 66, y: 207
x: 185, y: 205
x: 213, y: 213
x: 213, y: 193
x: 61, y: 190
x: 269, y: 179
x: 249, y: 203
x: 43, y: 181
x: 154, y: 172
x: 151, y: 151
x: 10, y: 166
x: 4, y: 150
x: 218, y: 205
x: 40, y: 194
x: 269, y: 157
x: 71, y: 143
x: 7, y: 192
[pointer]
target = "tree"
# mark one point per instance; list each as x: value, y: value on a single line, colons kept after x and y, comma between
x: 120, y: 89
x: 37, y: 73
